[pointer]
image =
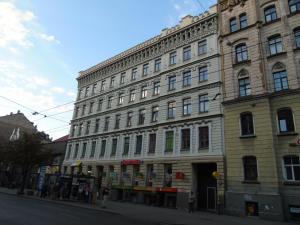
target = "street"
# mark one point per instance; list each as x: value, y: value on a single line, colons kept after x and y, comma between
x: 24, y: 211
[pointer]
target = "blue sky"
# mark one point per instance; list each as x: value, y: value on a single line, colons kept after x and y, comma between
x: 44, y: 44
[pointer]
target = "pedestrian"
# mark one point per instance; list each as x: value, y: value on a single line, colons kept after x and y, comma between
x: 105, y: 194
x: 191, y: 201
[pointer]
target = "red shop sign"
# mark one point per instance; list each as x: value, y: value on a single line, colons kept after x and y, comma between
x: 180, y: 175
x: 298, y: 141
x: 131, y: 162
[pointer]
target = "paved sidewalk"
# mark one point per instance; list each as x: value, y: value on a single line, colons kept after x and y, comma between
x: 160, y: 216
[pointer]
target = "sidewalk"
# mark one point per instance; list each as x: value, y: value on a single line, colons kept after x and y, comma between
x: 160, y: 216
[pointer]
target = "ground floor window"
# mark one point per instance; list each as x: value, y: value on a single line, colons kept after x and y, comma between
x: 168, y: 175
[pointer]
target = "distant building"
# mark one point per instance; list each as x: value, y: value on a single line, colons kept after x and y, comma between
x: 149, y: 123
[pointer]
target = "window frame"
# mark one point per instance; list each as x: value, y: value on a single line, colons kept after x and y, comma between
x: 202, y: 47
x: 269, y: 12
x: 247, y: 176
x: 245, y: 87
x: 173, y: 109
x: 187, y: 106
x: 243, y: 20
x: 241, y: 53
x: 184, y: 148
x: 203, y: 73
x: 186, y: 53
x: 295, y: 4
x: 187, y: 78
x: 233, y: 27
x: 290, y: 123
x: 282, y: 80
x: 249, y: 126
x: 291, y: 166
x: 172, y: 83
x: 275, y: 45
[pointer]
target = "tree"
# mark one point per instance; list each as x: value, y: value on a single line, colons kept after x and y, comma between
x: 26, y: 153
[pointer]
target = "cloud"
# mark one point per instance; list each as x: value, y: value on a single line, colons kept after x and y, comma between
x: 49, y: 38
x: 57, y: 90
x: 13, y: 30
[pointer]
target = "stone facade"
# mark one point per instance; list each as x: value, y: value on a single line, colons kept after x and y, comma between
x: 149, y: 122
x: 260, y: 71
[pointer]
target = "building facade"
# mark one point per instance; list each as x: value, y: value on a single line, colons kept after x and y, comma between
x: 259, y: 41
x: 149, y: 122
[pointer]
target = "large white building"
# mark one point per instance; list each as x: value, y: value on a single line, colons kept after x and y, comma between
x: 148, y: 122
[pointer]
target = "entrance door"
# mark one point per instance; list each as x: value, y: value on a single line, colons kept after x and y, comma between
x: 206, y: 186
x: 99, y: 176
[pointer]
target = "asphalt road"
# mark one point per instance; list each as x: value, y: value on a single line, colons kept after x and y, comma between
x: 24, y: 211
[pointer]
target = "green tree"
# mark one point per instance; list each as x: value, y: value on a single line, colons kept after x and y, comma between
x: 27, y: 153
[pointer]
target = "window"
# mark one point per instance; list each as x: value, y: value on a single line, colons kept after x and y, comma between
x: 173, y: 56
x: 203, y: 73
x: 93, y: 149
x: 73, y: 130
x: 291, y: 167
x: 106, y: 124
x: 112, y: 81
x: 129, y: 119
x: 156, y: 87
x: 117, y: 122
x: 88, y: 125
x: 142, y: 116
x: 202, y: 47
x: 294, y: 6
x: 136, y: 174
x: 171, y: 110
x: 243, y: 21
x: 233, y: 25
x: 275, y: 45
x: 86, y: 91
x: 102, y: 85
x: 126, y: 145
x: 185, y: 139
x: 121, y: 98
x: 297, y: 37
x: 91, y: 107
x: 76, y: 151
x: 83, y: 150
x: 187, y: 79
x: 250, y: 168
x: 94, y: 88
x: 80, y: 129
x: 132, y: 96
x: 203, y: 103
x: 109, y: 101
x: 152, y: 143
x: 167, y: 175
x: 241, y: 53
x: 280, y: 81
x: 114, y: 147
x: 187, y: 53
x: 244, y: 87
x: 157, y: 65
x: 103, y: 147
x: 100, y: 104
x: 203, y: 137
x: 76, y: 111
x: 134, y: 74
x: 139, y: 144
x: 80, y: 93
x: 145, y: 69
x: 83, y: 110
x: 122, y: 78
x: 144, y: 92
x: 172, y: 83
x: 154, y: 117
x: 169, y: 141
x: 97, y: 123
x: 270, y: 14
x: 285, y: 120
x: 247, y: 127
x: 150, y: 175
x: 187, y: 106
x: 68, y: 154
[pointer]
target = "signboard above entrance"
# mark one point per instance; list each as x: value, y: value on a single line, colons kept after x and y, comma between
x: 131, y: 162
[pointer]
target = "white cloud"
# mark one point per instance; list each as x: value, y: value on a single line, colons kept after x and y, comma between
x: 13, y: 30
x: 49, y: 38
x: 71, y: 94
x: 177, y: 7
x: 57, y: 90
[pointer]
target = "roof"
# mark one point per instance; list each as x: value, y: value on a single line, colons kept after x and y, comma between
x: 62, y: 139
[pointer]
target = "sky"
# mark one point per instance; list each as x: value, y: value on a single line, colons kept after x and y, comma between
x: 45, y: 43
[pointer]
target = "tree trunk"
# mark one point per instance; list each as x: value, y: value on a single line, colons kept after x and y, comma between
x: 24, y: 181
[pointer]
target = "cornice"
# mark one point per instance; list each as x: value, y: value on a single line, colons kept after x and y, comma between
x: 155, y: 47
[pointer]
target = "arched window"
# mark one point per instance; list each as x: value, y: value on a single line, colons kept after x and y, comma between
x: 294, y: 6
x: 280, y: 77
x: 247, y: 127
x: 250, y: 168
x: 243, y: 20
x: 241, y: 53
x: 270, y: 13
x: 297, y: 37
x: 285, y: 120
x: 233, y: 25
x: 291, y: 167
